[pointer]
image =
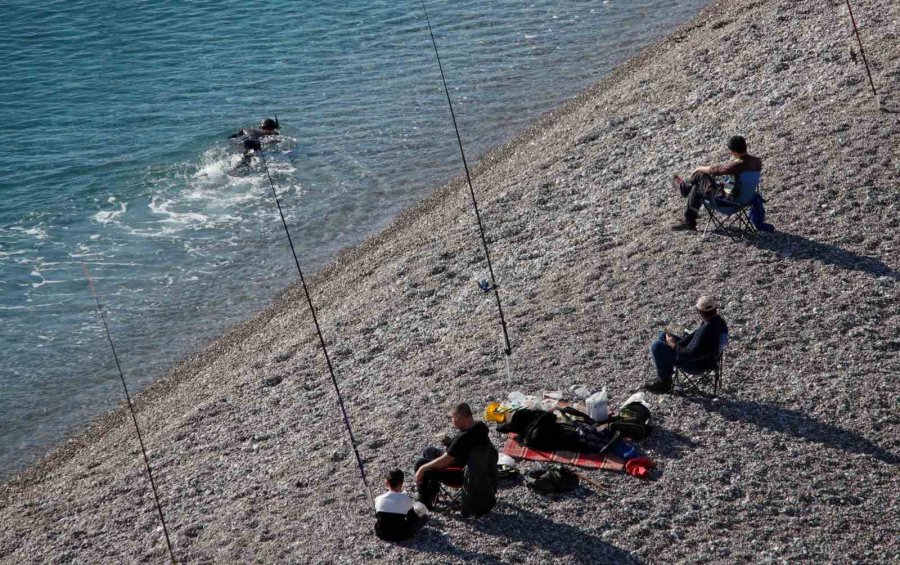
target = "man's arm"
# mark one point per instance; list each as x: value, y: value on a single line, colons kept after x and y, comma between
x: 702, y: 346
x: 687, y: 345
x: 729, y: 168
x: 683, y: 341
x: 721, y: 169
x: 441, y: 462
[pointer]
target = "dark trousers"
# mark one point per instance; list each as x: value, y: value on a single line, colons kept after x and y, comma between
x: 696, y: 188
x: 664, y: 359
x: 431, y: 483
x: 418, y: 525
x: 394, y: 533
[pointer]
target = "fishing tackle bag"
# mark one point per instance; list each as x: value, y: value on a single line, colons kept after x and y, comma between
x: 633, y: 421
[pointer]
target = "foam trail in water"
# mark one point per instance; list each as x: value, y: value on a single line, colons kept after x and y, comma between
x: 108, y: 216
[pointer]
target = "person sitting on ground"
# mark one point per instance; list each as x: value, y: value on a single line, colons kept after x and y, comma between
x: 397, y: 517
x: 695, y: 351
x: 435, y: 466
x: 266, y: 128
x: 703, y: 183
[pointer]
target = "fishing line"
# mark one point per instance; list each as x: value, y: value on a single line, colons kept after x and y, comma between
x: 493, y: 286
x: 315, y: 318
x: 137, y: 428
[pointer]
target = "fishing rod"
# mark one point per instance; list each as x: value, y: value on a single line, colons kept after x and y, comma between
x: 862, y: 52
x: 315, y: 318
x: 493, y: 282
x: 137, y: 428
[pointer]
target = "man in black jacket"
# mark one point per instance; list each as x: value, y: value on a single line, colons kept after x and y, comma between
x: 435, y: 466
x: 693, y: 352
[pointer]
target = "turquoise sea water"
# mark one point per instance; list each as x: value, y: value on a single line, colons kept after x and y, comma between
x: 114, y: 152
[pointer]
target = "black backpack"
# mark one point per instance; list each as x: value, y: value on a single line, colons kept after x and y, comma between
x: 545, y: 433
x: 479, y: 489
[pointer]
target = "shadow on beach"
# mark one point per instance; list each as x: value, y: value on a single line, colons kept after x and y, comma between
x: 797, y: 424
x: 510, y: 523
x: 668, y: 444
x: 792, y: 246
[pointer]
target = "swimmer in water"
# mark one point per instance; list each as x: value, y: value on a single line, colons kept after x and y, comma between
x: 251, y: 147
x: 266, y: 128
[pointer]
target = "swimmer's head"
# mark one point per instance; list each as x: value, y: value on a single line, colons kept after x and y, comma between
x: 253, y: 144
x: 268, y: 123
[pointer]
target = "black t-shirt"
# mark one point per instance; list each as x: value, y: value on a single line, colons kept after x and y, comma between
x: 466, y: 440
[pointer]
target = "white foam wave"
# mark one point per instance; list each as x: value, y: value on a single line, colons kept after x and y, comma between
x: 163, y: 207
x: 107, y: 216
x: 30, y: 306
x: 37, y: 231
x: 36, y: 273
x: 208, y: 193
x: 216, y: 170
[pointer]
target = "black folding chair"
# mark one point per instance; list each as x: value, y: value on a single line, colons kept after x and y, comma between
x: 732, y: 217
x: 450, y: 492
x: 695, y: 382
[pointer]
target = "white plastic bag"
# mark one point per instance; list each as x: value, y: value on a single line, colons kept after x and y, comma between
x: 597, y: 406
x: 516, y: 399
x: 637, y: 397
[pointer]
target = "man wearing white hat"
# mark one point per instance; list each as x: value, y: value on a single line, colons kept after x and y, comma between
x: 695, y: 351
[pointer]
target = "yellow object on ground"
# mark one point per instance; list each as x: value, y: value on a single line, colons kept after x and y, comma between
x: 495, y: 412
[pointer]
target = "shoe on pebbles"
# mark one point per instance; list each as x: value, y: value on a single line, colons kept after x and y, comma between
x: 684, y: 226
x: 659, y: 387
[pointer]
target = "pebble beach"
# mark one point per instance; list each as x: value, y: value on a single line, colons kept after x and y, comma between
x: 795, y: 460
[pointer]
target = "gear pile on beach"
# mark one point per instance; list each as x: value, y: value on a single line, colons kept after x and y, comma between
x: 794, y: 458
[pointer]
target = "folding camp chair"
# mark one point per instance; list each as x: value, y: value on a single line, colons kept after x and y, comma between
x: 693, y: 382
x: 450, y: 492
x: 732, y: 216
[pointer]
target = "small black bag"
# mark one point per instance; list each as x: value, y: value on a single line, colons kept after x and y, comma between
x: 633, y: 421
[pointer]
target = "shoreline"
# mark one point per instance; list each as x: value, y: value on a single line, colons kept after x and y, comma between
x: 554, y: 183
x: 189, y: 362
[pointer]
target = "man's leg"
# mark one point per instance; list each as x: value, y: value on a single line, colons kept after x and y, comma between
x: 431, y: 484
x: 702, y: 186
x: 428, y: 490
x: 418, y: 524
x: 430, y: 453
x: 664, y: 359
